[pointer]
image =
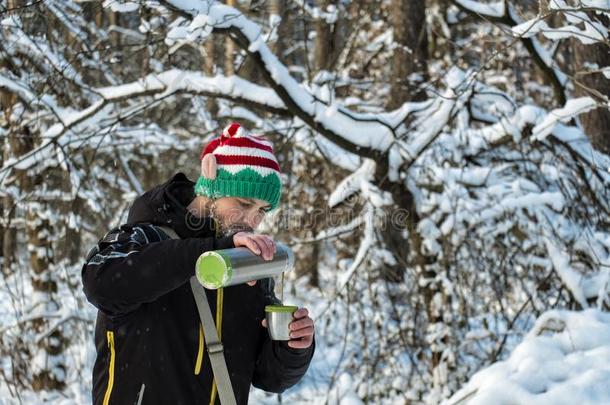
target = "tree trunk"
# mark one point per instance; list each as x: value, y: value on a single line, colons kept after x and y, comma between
x: 46, y: 362
x: 409, y: 62
x: 324, y: 41
x: 596, y: 123
x: 229, y: 60
x: 7, y: 232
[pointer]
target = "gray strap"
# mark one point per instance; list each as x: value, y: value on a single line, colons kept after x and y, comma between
x: 141, y: 394
x: 169, y: 231
x: 213, y: 344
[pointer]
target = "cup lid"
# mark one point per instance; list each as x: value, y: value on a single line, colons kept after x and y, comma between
x: 281, y: 308
x: 213, y: 269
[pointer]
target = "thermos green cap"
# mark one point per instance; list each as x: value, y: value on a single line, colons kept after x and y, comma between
x: 213, y: 269
x: 281, y: 308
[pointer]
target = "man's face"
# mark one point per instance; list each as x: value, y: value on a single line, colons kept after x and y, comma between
x: 236, y: 213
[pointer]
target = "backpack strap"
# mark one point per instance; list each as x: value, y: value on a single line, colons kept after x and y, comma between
x: 168, y: 231
x: 214, y: 345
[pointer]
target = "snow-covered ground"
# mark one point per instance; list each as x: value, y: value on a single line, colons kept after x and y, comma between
x: 565, y: 359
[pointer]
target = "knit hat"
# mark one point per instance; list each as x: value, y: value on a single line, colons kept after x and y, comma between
x: 239, y: 164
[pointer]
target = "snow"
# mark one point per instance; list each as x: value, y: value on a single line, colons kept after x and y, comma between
x: 565, y: 359
x: 593, y: 32
x: 602, y: 4
x: 175, y: 80
x: 121, y: 6
x: 352, y: 183
x: 571, y: 278
x: 572, y: 108
x: 510, y: 197
x: 495, y: 9
x: 358, y: 128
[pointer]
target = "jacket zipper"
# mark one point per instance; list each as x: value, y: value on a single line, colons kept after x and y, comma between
x: 110, y: 339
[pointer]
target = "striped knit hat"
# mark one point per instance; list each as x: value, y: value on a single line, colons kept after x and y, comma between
x: 239, y: 164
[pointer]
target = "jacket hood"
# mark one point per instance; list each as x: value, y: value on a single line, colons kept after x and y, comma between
x: 166, y: 204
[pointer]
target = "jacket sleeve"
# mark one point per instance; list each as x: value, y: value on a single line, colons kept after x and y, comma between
x: 136, y: 264
x: 278, y: 366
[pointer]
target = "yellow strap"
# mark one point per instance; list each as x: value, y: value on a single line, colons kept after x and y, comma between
x: 110, y: 339
x: 200, y: 352
x: 216, y: 227
x: 219, y: 302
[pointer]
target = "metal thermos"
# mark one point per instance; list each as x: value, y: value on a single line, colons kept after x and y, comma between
x: 226, y: 267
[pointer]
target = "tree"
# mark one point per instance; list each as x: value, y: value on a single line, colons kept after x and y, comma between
x: 468, y: 210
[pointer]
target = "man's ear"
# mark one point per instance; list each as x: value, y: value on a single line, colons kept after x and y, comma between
x: 208, y: 166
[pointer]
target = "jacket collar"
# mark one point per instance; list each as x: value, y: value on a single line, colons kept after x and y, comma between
x: 166, y: 204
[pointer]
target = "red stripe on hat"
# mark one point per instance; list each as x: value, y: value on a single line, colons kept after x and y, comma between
x: 210, y: 147
x: 249, y: 143
x: 246, y: 160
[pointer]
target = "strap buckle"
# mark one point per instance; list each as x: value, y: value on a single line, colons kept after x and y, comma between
x: 215, y: 347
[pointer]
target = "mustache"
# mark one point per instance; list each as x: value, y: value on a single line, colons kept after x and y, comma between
x: 230, y: 229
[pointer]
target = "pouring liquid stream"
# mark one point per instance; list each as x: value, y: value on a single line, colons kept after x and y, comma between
x: 282, y: 288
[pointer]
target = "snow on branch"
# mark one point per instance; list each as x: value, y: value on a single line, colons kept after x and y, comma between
x: 352, y: 183
x: 72, y: 124
x: 539, y: 53
x: 176, y: 81
x: 487, y: 10
x: 360, y: 133
x: 572, y: 108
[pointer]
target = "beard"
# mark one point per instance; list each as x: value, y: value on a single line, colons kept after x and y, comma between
x: 231, y: 229
x: 227, y: 224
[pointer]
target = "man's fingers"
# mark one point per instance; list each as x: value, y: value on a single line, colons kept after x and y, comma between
x: 264, y: 322
x: 301, y: 313
x: 266, y: 247
x: 252, y: 245
x: 308, y: 331
x: 269, y: 243
x: 299, y: 344
x: 300, y: 324
x: 262, y: 247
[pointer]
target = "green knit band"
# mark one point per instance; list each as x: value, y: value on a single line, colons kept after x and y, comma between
x: 246, y: 183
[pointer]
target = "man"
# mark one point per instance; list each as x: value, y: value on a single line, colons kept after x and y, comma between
x: 149, y: 339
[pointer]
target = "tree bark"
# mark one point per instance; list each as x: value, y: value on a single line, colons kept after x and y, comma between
x: 324, y: 41
x: 229, y: 60
x: 409, y: 62
x: 596, y: 123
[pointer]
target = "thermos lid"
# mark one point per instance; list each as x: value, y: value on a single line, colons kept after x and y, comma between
x: 281, y: 308
x: 213, y: 269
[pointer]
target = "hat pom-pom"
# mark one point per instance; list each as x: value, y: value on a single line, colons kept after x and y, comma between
x: 233, y: 130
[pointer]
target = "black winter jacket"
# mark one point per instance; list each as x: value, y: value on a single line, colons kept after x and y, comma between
x: 148, y: 330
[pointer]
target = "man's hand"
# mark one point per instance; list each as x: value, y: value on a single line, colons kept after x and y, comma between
x: 262, y: 245
x: 301, y: 329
